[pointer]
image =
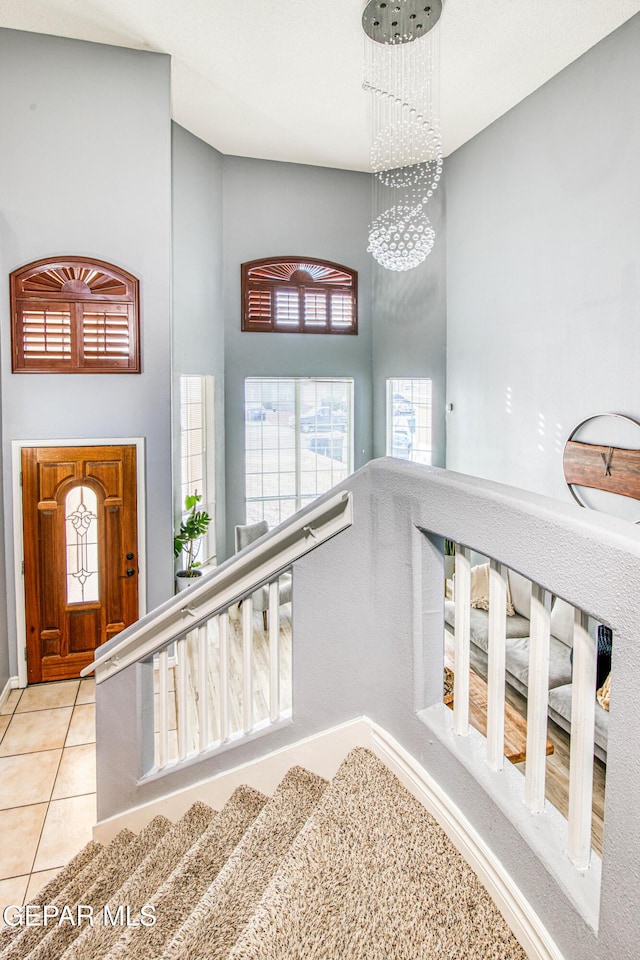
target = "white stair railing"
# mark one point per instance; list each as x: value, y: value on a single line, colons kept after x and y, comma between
x: 583, y: 696
x: 208, y: 692
x: 220, y: 662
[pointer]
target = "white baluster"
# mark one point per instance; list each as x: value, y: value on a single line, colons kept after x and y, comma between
x: 462, y: 642
x: 496, y: 664
x: 583, y: 706
x: 203, y: 684
x: 247, y: 663
x: 181, y: 657
x: 163, y: 702
x: 223, y: 627
x: 537, y: 700
x: 274, y: 650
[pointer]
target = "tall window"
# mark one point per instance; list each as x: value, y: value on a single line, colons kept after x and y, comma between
x: 298, y: 442
x: 297, y: 295
x: 197, y: 464
x: 409, y: 419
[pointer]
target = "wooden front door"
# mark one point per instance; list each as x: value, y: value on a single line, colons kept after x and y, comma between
x: 80, y: 553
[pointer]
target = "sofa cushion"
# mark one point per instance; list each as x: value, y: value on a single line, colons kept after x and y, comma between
x: 517, y: 661
x: 516, y: 626
x: 560, y: 709
x: 520, y: 589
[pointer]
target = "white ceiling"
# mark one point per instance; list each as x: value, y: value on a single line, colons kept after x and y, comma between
x: 282, y: 79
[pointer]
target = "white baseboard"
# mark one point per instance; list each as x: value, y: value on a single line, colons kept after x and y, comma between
x: 323, y: 754
x: 11, y: 684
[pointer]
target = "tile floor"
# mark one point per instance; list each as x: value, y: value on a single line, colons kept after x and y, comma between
x: 47, y: 783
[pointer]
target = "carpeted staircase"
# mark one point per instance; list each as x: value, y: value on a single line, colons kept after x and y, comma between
x: 351, y: 870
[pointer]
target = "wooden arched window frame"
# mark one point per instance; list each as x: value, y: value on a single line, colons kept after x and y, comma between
x: 74, y: 315
x: 299, y: 295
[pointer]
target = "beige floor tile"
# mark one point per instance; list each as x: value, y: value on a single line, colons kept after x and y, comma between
x: 28, y: 778
x: 77, y: 773
x: 11, y: 702
x: 12, y: 892
x: 87, y: 691
x: 82, y: 728
x: 20, y: 830
x: 4, y: 723
x: 67, y: 829
x: 32, y: 732
x: 44, y: 696
x: 36, y: 882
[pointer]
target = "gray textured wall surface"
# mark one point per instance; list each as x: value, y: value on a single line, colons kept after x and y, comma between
x: 368, y: 640
x: 284, y: 209
x: 85, y: 169
x: 198, y: 317
x: 543, y: 260
x: 409, y: 331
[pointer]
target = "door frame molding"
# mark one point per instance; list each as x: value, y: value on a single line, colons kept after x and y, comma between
x: 18, y: 532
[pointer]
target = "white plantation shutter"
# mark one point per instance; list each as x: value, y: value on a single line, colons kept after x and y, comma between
x: 287, y: 308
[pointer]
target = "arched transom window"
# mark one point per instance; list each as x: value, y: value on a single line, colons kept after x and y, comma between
x: 73, y: 315
x: 299, y: 295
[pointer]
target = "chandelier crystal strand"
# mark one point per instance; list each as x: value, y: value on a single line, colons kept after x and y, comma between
x: 406, y: 149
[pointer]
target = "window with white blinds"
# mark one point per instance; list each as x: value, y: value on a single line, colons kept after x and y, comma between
x: 197, y: 462
x: 74, y: 315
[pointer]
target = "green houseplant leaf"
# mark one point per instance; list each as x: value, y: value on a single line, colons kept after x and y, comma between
x: 192, y: 529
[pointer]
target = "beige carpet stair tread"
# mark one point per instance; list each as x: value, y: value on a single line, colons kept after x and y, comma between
x: 226, y: 907
x: 51, y: 890
x: 373, y: 876
x: 72, y: 893
x: 104, y: 888
x: 94, y: 942
x: 174, y: 900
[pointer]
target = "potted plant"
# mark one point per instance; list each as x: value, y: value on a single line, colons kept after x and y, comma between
x: 187, y: 540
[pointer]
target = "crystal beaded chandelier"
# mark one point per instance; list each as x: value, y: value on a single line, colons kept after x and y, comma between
x: 402, y: 77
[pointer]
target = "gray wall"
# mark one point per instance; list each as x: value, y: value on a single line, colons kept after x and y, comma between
x: 543, y: 277
x: 289, y: 209
x: 409, y: 331
x: 198, y: 317
x: 85, y: 169
x: 369, y: 641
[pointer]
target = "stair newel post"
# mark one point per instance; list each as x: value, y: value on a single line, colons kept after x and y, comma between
x: 163, y: 702
x: 462, y: 641
x: 583, y: 706
x: 537, y: 699
x: 203, y: 679
x: 247, y: 664
x: 496, y: 664
x: 274, y: 650
x: 223, y: 634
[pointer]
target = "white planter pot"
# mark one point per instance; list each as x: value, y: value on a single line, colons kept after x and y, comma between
x: 183, y: 582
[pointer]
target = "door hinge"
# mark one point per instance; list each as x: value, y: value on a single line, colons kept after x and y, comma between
x: 21, y: 478
x: 23, y: 568
x: 25, y: 652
